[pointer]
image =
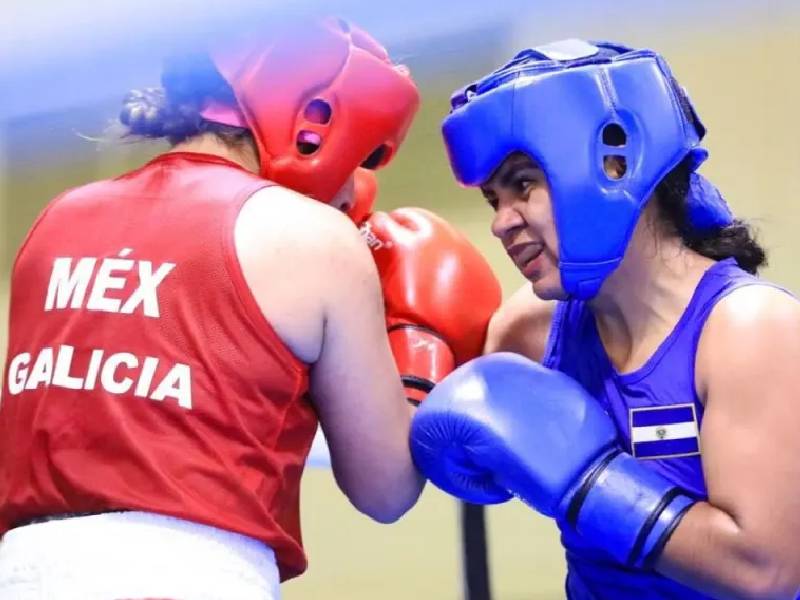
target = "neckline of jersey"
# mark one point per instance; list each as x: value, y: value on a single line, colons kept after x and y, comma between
x: 655, y: 358
x: 201, y: 157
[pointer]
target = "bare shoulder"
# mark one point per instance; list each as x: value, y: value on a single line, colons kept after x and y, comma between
x: 752, y: 332
x: 292, y: 233
x: 292, y: 218
x: 755, y: 309
x: 299, y: 257
x: 521, y: 325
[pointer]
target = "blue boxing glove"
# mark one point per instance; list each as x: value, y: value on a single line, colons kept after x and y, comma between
x: 503, y: 422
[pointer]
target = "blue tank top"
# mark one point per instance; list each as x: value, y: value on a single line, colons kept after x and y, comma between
x: 658, y: 416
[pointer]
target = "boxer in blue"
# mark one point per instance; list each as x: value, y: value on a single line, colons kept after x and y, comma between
x: 641, y: 389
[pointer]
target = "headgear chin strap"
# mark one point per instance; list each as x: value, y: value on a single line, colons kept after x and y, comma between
x: 571, y: 106
x: 321, y: 98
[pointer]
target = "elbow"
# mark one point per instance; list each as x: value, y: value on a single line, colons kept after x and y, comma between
x: 771, y: 590
x: 387, y: 516
x: 382, y: 511
x: 760, y: 591
x: 382, y: 493
x: 386, y: 508
x: 768, y: 582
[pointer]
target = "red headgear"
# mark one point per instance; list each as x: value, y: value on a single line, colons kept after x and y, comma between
x: 321, y: 99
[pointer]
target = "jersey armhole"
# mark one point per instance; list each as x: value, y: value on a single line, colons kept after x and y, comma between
x: 705, y: 313
x: 242, y: 290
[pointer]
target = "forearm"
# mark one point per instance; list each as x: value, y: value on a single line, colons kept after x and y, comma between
x: 711, y: 553
x: 384, y: 497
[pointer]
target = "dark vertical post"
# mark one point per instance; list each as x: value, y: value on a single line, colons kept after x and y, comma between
x: 475, y: 556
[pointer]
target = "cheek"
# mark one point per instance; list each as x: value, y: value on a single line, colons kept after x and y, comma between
x: 540, y: 211
x: 551, y: 240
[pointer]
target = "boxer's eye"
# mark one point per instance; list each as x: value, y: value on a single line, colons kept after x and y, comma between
x: 521, y: 186
x: 491, y: 199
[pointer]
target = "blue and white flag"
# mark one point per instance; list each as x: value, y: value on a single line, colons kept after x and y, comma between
x: 664, y: 431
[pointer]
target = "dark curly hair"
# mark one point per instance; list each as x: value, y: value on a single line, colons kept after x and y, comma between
x: 735, y: 240
x: 172, y: 111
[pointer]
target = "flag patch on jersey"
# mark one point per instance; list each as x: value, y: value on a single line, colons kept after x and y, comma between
x: 664, y: 431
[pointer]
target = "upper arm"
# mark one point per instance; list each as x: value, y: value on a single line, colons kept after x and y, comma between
x: 521, y: 325
x: 355, y: 383
x: 328, y: 307
x: 747, y: 372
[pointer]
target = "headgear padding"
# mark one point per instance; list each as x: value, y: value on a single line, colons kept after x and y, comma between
x: 321, y: 98
x: 570, y: 106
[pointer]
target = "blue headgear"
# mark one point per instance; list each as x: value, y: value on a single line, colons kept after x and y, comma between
x: 569, y: 106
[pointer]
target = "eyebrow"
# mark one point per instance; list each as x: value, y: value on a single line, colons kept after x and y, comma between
x: 509, y: 173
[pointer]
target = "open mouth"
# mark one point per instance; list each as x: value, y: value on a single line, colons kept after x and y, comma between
x: 523, y: 255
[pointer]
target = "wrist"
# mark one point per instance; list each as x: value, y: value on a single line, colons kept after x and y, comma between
x: 422, y: 356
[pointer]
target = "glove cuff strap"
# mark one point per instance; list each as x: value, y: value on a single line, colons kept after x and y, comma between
x: 662, y: 530
x: 627, y: 508
x: 423, y: 358
x: 578, y: 497
x: 416, y: 388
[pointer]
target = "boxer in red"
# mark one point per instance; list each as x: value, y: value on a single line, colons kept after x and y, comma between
x: 176, y: 332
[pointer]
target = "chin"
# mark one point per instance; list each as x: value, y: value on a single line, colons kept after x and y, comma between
x: 549, y: 288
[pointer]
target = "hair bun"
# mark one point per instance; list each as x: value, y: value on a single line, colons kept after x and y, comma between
x: 143, y: 112
x: 149, y: 113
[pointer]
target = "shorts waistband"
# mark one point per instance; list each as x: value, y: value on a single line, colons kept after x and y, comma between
x: 62, y: 516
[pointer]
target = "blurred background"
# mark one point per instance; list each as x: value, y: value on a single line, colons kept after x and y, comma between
x: 64, y: 70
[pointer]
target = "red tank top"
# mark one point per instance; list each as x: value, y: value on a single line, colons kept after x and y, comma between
x: 141, y: 373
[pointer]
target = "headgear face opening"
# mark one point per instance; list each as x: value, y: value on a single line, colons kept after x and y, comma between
x: 570, y: 106
x: 321, y: 99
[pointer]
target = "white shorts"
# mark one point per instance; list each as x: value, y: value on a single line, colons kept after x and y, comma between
x: 133, y: 555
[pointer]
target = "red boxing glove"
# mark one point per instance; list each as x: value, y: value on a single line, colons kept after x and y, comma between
x: 439, y: 293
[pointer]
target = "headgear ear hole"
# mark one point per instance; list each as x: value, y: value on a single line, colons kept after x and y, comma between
x: 615, y: 166
x: 308, y: 142
x: 614, y: 135
x: 376, y: 158
x: 318, y: 111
